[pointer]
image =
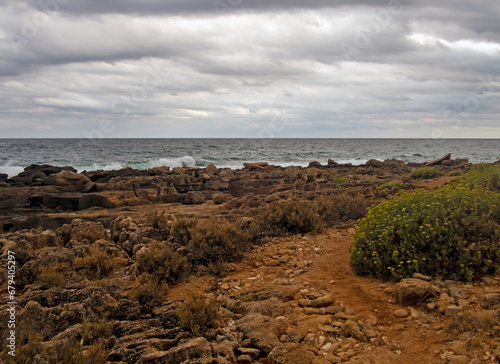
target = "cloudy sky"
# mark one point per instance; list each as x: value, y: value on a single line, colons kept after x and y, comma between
x: 249, y: 68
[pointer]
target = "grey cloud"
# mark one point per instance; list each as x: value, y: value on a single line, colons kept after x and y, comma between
x: 182, y: 68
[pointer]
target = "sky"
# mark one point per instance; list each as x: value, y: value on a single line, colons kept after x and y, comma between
x: 249, y: 69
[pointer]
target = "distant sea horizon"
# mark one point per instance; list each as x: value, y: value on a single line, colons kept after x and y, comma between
x: 143, y: 153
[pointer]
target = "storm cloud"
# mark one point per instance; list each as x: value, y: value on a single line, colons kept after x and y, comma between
x: 249, y: 68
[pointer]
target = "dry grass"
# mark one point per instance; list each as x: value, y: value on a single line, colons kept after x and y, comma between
x: 287, y: 217
x: 53, y: 276
x: 162, y: 263
x: 341, y: 207
x: 97, y: 264
x: 198, y: 315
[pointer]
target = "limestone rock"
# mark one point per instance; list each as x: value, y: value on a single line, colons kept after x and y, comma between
x: 411, y: 290
x: 263, y: 332
x: 193, y: 198
x: 318, y: 302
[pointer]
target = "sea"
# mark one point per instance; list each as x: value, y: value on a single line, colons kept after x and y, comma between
x: 113, y: 154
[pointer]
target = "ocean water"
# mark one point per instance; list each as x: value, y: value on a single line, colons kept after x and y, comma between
x: 111, y: 154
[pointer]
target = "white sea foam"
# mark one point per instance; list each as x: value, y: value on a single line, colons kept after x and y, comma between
x: 11, y: 171
x: 186, y: 161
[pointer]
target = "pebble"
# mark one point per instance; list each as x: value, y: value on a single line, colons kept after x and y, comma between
x: 273, y: 263
x: 244, y: 359
x: 401, y: 313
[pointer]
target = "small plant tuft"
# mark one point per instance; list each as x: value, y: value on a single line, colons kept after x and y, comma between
x: 424, y: 173
x: 197, y: 315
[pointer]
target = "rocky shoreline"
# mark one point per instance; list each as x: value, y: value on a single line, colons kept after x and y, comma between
x: 31, y: 198
x: 89, y: 247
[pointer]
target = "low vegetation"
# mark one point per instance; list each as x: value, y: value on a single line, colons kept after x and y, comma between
x: 424, y: 173
x: 340, y: 207
x: 197, y: 315
x: 452, y: 232
x: 288, y: 217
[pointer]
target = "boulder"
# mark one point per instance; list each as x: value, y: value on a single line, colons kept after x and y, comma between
x: 411, y: 290
x: 3, y: 177
x: 220, y: 198
x: 193, y: 198
x: 440, y: 160
x: 374, y: 163
x: 66, y: 178
x: 211, y: 170
x: 332, y: 163
x: 314, y: 164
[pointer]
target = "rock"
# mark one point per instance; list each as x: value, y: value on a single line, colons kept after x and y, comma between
x: 491, y: 299
x: 255, y: 166
x: 332, y: 163
x: 244, y: 359
x: 372, y: 320
x: 198, y: 348
x: 318, y: 302
x: 3, y: 178
x: 314, y: 164
x: 220, y: 198
x: 67, y: 178
x: 224, y: 352
x: 193, y: 198
x: 254, y: 353
x: 401, y: 313
x: 411, y: 290
x: 290, y: 353
x: 374, y: 163
x: 211, y: 169
x: 263, y: 332
x: 125, y: 310
x: 169, y: 319
x: 440, y: 160
x: 65, y: 202
x: 352, y: 329
x: 273, y: 263
x: 422, y: 277
x: 94, y: 200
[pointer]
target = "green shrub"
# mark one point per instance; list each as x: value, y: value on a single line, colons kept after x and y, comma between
x: 390, y: 185
x: 340, y: 207
x: 453, y: 232
x: 486, y: 175
x: 197, y: 315
x: 162, y: 263
x: 340, y: 179
x: 287, y: 217
x: 424, y: 173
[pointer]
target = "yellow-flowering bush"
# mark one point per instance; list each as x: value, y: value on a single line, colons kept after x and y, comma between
x: 453, y: 232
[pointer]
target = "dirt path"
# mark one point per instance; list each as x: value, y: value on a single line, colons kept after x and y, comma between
x: 366, y: 297
x: 411, y: 341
